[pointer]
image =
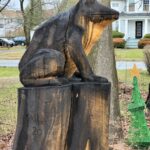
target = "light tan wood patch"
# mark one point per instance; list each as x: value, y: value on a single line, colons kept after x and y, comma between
x: 93, y: 34
x: 88, y: 145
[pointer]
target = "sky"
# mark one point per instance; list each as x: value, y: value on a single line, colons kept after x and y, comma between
x: 14, y: 4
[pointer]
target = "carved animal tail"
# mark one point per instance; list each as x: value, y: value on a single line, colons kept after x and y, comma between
x: 148, y: 99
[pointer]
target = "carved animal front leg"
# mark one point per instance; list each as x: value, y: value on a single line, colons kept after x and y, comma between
x: 77, y: 54
x: 45, y: 67
x: 74, y: 49
x: 148, y: 99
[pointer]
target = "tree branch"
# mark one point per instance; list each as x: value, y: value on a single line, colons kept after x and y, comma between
x: 4, y: 5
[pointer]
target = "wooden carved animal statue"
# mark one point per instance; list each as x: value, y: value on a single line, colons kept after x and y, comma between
x: 59, y: 46
x: 148, y: 99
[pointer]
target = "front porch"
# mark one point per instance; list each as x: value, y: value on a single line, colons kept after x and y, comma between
x: 134, y: 27
x: 132, y: 43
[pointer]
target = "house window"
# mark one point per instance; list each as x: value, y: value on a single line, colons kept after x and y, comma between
x: 20, y: 21
x: 131, y: 5
x: 1, y: 25
x: 115, y: 5
x: 146, y: 5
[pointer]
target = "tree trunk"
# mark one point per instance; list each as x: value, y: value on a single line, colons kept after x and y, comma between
x: 69, y: 117
x: 25, y: 24
x: 103, y: 64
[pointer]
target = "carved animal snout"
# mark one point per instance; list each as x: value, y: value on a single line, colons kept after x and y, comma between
x: 115, y: 15
x: 107, y: 15
x: 110, y: 15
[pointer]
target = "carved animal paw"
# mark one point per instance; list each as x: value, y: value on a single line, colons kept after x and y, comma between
x: 100, y: 79
x: 95, y: 78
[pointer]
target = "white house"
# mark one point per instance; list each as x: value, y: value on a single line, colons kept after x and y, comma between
x: 10, y: 20
x: 134, y: 19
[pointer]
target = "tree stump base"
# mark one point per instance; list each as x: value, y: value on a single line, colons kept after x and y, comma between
x: 67, y: 117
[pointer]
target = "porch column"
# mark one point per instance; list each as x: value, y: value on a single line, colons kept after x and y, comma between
x: 127, y: 6
x: 126, y: 28
x: 149, y: 5
x: 119, y: 25
x: 146, y: 26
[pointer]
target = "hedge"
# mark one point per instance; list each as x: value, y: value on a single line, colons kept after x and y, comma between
x: 143, y: 42
x: 147, y: 36
x: 119, y: 42
x: 116, y: 34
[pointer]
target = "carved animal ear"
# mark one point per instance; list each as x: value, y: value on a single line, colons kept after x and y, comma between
x: 87, y: 1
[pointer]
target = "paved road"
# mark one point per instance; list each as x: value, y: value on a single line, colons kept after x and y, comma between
x: 121, y: 65
x: 9, y: 63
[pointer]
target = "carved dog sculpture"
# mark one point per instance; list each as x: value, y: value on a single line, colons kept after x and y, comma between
x: 59, y: 46
x: 148, y: 99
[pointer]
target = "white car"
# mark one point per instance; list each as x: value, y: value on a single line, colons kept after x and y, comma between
x: 6, y: 42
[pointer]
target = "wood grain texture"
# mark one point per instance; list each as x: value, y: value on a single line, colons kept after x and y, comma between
x: 59, y: 45
x: 43, y: 118
x: 90, y: 121
x: 69, y: 117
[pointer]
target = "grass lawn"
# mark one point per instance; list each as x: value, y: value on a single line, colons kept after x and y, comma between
x: 144, y: 79
x: 13, y: 48
x: 129, y: 54
x: 9, y: 72
x: 12, y: 53
x: 11, y: 56
x: 8, y: 107
x: 9, y: 83
x: 121, y: 54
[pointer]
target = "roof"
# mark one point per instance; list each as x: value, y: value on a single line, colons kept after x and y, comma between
x: 135, y: 14
x: 8, y: 13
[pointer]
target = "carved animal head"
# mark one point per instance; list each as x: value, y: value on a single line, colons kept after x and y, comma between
x: 97, y: 13
x: 94, y: 17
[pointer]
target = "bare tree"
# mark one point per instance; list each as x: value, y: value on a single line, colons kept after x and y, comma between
x: 3, y: 4
x: 26, y: 29
x: 32, y: 16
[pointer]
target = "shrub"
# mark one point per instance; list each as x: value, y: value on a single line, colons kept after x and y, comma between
x: 116, y: 34
x: 147, y: 36
x: 119, y: 42
x: 147, y: 57
x: 143, y: 42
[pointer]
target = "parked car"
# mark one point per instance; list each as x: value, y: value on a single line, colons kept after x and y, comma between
x: 20, y: 40
x: 6, y: 42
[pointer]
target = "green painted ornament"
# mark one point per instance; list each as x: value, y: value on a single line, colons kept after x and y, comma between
x: 139, y: 133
